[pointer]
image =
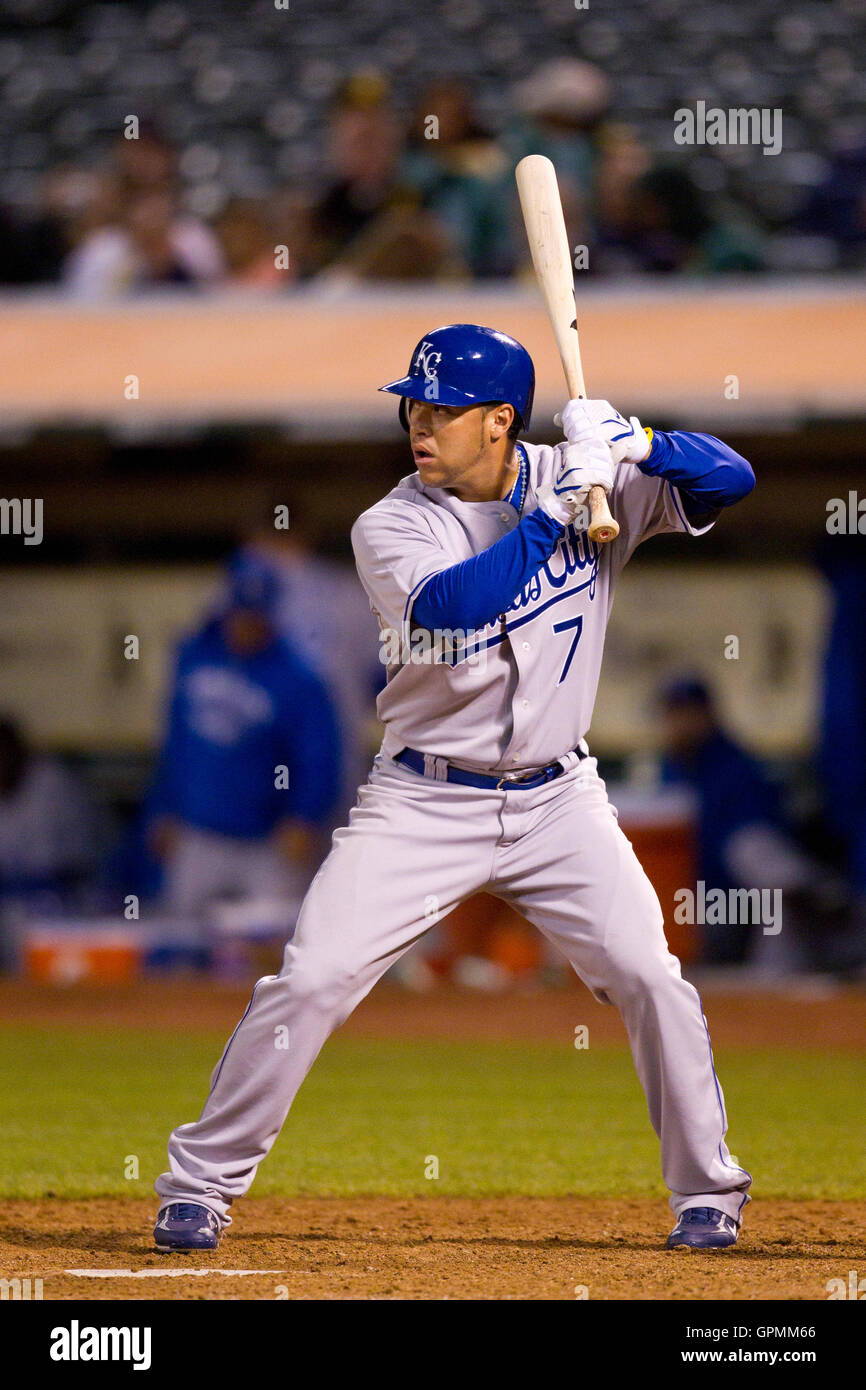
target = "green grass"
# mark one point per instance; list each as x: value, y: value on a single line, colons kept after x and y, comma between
x: 500, y: 1117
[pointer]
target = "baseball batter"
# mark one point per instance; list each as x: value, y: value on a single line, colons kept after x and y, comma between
x: 492, y: 604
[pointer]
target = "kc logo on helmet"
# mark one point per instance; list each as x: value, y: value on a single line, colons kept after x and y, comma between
x: 427, y: 361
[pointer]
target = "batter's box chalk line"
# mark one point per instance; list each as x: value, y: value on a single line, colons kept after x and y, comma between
x: 164, y: 1273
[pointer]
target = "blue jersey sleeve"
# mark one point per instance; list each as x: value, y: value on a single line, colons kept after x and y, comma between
x: 472, y: 593
x: 708, y: 474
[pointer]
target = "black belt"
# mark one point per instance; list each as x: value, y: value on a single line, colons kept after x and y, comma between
x: 446, y: 772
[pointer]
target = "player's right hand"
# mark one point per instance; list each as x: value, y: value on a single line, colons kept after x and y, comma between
x: 627, y: 439
x: 579, y: 467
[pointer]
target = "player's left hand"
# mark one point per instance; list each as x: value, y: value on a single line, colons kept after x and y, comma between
x: 579, y: 467
x: 627, y: 439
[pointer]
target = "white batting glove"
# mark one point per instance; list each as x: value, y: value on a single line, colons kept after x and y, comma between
x: 627, y: 439
x: 579, y: 467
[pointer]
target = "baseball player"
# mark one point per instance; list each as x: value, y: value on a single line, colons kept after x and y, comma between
x: 492, y: 604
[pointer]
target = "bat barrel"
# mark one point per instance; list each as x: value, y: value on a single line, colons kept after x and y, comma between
x: 551, y: 256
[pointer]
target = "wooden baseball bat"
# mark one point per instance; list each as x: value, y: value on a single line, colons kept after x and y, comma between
x: 551, y: 257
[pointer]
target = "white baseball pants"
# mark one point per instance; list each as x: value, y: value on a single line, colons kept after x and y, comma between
x: 414, y: 848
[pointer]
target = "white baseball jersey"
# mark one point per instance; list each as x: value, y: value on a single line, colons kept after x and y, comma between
x: 522, y: 693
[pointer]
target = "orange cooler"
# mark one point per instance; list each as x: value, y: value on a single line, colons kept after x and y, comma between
x: 53, y: 955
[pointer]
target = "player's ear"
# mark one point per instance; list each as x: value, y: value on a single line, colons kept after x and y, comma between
x: 500, y: 420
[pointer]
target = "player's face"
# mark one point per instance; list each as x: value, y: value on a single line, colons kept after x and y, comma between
x: 449, y: 443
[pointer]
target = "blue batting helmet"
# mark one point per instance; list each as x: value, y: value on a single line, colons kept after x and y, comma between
x: 465, y: 364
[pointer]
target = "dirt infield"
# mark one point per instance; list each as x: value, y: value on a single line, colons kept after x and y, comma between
x: 804, y: 1016
x: 434, y: 1248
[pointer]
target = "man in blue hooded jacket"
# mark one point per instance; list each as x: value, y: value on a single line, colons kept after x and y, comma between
x: 250, y: 766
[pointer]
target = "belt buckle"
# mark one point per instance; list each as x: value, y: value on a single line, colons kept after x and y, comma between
x: 507, y: 777
x: 514, y: 777
x: 549, y: 772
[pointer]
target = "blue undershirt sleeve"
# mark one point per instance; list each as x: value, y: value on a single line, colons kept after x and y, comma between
x: 473, y: 592
x: 708, y: 474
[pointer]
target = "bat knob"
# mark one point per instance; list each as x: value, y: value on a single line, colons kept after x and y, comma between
x: 602, y: 526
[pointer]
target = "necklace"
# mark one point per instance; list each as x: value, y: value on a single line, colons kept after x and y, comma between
x: 517, y: 495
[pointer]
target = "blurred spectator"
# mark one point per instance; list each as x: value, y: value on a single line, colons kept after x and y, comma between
x: 462, y: 176
x: 562, y: 108
x: 134, y: 235
x: 152, y: 244
x: 323, y: 612
x: 744, y: 841
x: 243, y: 706
x: 623, y: 160
x: 292, y: 211
x: 662, y: 224
x: 363, y: 146
x: 47, y: 822
x: 368, y: 224
x: 248, y: 241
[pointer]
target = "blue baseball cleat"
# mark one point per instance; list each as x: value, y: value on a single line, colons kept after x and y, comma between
x: 703, y: 1228
x: 186, y: 1226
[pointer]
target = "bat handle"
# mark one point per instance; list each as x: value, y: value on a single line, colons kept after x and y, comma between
x: 602, y: 526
